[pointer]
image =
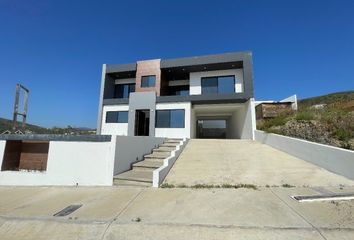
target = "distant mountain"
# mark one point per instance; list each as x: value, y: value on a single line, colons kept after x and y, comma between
x: 6, y: 124
x: 339, y: 98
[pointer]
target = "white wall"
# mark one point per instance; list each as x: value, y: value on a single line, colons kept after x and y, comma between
x: 337, y: 160
x: 243, y: 121
x: 131, y: 149
x: 69, y: 164
x: 114, y: 128
x: 2, y: 151
x: 293, y: 100
x: 175, y: 132
x: 160, y: 174
x: 195, y: 79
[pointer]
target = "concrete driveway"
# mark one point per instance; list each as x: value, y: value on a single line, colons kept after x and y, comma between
x: 180, y: 213
x: 210, y: 161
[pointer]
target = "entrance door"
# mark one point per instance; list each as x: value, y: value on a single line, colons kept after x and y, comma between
x: 142, y: 123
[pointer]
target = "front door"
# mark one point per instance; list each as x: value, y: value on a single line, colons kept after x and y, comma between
x: 142, y: 122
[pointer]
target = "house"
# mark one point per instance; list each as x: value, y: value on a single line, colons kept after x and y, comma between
x: 194, y: 97
x: 272, y: 109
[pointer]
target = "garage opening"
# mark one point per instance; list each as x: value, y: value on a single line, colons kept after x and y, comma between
x: 211, y: 128
x: 228, y: 120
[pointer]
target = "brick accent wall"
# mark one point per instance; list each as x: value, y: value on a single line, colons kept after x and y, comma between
x: 28, y: 155
x: 147, y: 68
x: 271, y: 110
x: 34, y: 155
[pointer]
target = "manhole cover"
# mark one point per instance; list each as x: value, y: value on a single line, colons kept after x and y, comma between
x: 66, y: 211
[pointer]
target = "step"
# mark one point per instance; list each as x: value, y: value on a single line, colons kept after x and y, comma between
x: 149, y: 164
x: 162, y: 150
x: 159, y: 160
x: 172, y: 141
x: 158, y: 155
x: 165, y: 149
x: 130, y: 183
x: 175, y: 139
x: 168, y: 144
x: 134, y: 175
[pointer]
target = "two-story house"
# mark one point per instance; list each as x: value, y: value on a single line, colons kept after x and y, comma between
x: 195, y: 97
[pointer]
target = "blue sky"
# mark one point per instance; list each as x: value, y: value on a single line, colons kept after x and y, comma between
x: 57, y: 48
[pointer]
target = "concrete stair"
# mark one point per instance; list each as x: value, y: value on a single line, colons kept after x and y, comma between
x: 142, y: 172
x: 158, y: 155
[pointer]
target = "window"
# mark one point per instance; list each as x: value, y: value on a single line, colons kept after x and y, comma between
x: 117, y: 117
x: 148, y: 81
x: 163, y: 118
x: 179, y: 90
x: 226, y: 84
x: 170, y: 118
x: 209, y: 85
x: 218, y: 85
x: 123, y: 90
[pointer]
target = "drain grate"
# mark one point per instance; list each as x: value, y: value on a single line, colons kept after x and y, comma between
x: 68, y: 210
x: 324, y: 197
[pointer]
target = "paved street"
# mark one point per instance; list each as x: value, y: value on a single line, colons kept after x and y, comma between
x: 178, y: 213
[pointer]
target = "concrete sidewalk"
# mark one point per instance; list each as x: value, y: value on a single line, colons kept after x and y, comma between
x: 231, y: 161
x: 134, y: 213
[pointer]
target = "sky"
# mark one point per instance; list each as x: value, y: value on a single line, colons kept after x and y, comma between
x: 57, y: 48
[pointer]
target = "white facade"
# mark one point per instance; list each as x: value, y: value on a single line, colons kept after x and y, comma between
x: 83, y: 163
x: 120, y: 129
x: 70, y: 164
x: 240, y: 117
x: 175, y: 132
x: 195, y: 79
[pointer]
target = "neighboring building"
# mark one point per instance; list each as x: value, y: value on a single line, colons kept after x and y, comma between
x: 272, y: 109
x: 196, y: 97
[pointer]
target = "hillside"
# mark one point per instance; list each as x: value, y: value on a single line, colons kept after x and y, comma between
x: 327, y: 119
x: 6, y: 124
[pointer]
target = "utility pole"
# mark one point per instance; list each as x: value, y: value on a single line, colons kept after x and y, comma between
x: 25, y: 102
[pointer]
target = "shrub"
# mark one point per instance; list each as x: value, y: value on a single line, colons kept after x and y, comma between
x: 273, y: 122
x: 167, y: 185
x: 286, y: 185
x: 342, y: 134
x: 305, y: 116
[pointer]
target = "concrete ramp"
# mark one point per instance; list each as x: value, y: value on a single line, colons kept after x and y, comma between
x: 211, y: 161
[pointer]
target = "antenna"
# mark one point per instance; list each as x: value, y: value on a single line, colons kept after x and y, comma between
x: 25, y: 102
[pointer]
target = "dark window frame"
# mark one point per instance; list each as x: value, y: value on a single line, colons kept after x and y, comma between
x: 173, y: 90
x: 169, y: 117
x: 116, y: 118
x: 148, y: 82
x: 217, y: 85
x: 122, y: 85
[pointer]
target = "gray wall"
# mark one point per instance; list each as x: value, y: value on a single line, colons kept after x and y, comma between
x: 132, y: 149
x: 337, y: 160
x: 139, y: 101
x: 100, y: 100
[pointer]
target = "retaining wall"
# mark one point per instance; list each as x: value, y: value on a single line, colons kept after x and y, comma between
x: 69, y: 163
x: 132, y: 149
x: 334, y: 159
